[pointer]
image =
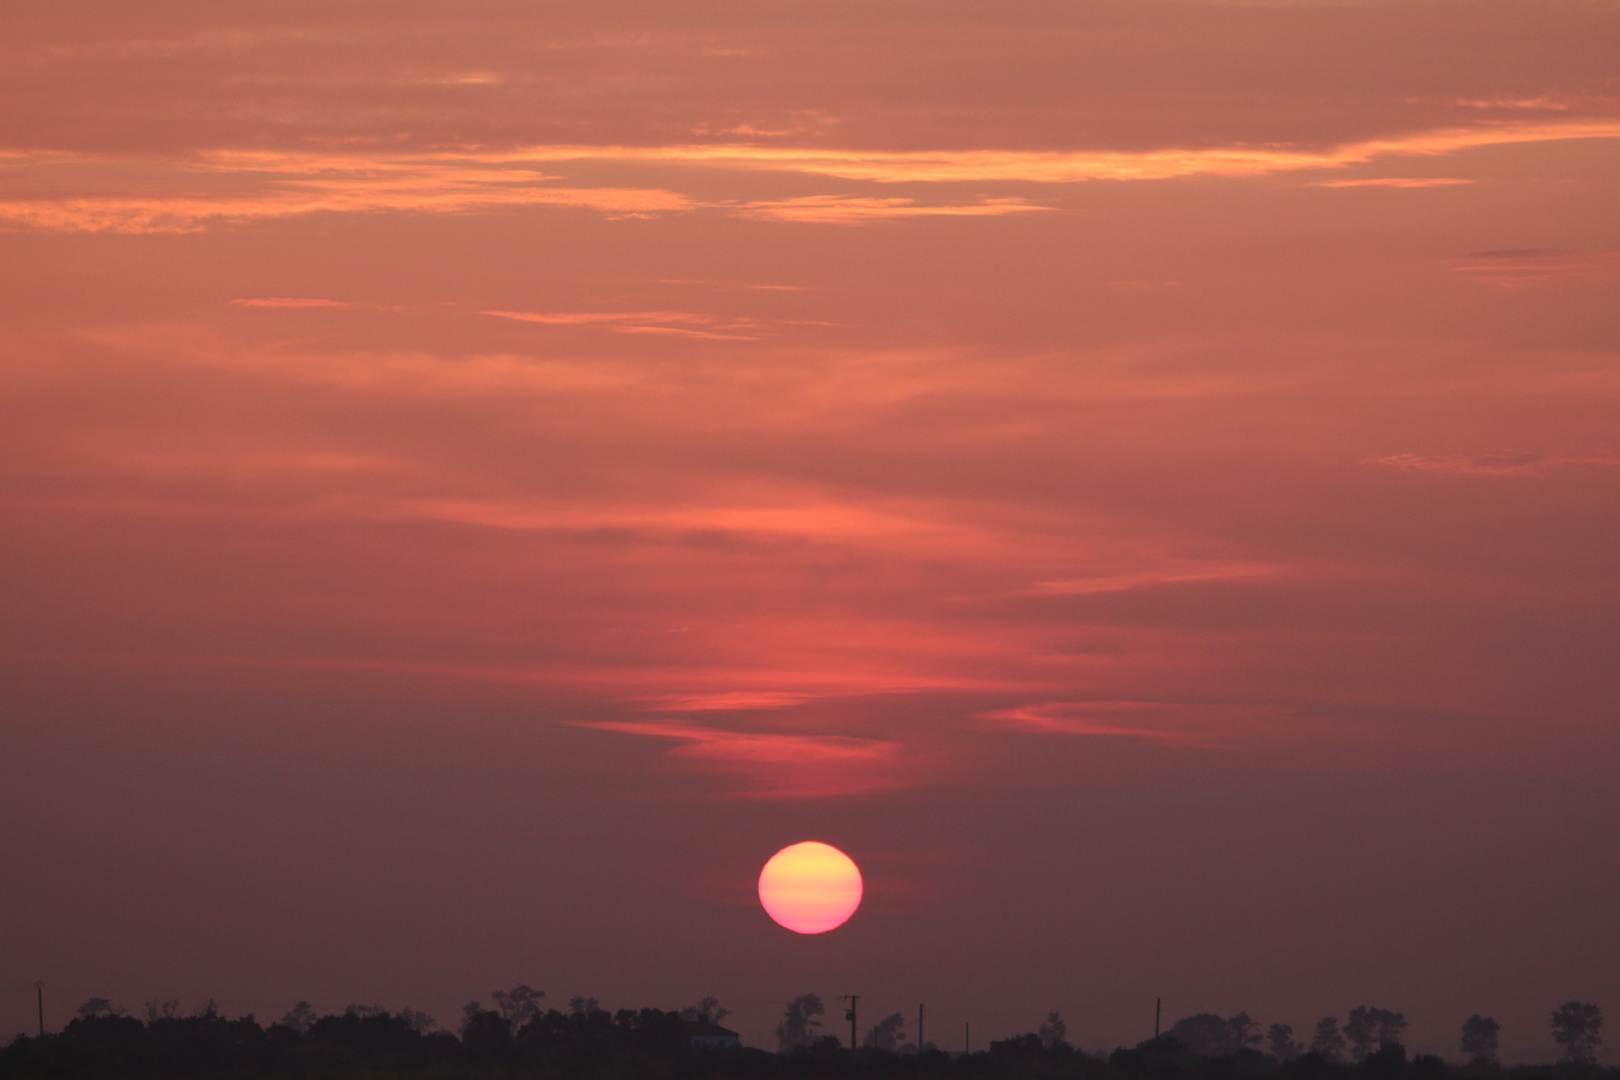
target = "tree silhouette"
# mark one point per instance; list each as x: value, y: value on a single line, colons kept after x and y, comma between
x: 1367, y: 1028
x: 1359, y: 1032
x: 1245, y: 1032
x: 361, y: 1041
x: 1283, y: 1046
x: 1202, y: 1033
x: 168, y: 1008
x: 886, y: 1033
x: 484, y: 1032
x: 1389, y: 1060
x: 1479, y: 1037
x: 708, y: 1009
x: 518, y: 1005
x: 419, y: 1022
x: 1391, y: 1027
x: 798, y: 1027
x: 1576, y: 1027
x: 300, y: 1018
x: 1326, y: 1040
x: 1027, y: 1045
x: 1209, y: 1034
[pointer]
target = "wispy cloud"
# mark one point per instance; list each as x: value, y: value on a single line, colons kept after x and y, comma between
x: 755, y: 286
x: 1396, y: 182
x: 239, y: 464
x: 233, y: 186
x: 682, y: 323
x: 68, y: 191
x: 1507, y: 463
x: 777, y: 765
x: 1543, y: 103
x: 579, y: 318
x: 290, y: 302
x: 1069, y: 166
x: 858, y: 210
x: 807, y: 519
x: 1515, y: 268
x: 732, y: 701
x: 1172, y: 574
x: 1204, y: 725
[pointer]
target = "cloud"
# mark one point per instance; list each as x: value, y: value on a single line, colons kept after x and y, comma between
x: 223, y: 187
x: 290, y: 302
x: 1515, y: 268
x: 828, y: 520
x: 1169, y: 575
x: 1543, y: 103
x: 858, y: 210
x: 1070, y: 166
x: 226, y: 462
x: 681, y: 323
x: 1395, y: 182
x: 232, y: 186
x: 1201, y: 725
x: 1507, y: 463
x: 732, y: 701
x: 578, y: 318
x: 777, y: 765
x: 756, y: 286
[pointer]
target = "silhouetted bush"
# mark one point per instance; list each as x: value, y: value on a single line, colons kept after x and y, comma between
x: 1311, y: 1066
x: 1028, y: 1046
x: 1429, y: 1067
x: 1385, y: 1063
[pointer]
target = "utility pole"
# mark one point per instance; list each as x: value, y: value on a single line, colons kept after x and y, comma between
x: 39, y: 988
x: 967, y: 1037
x: 850, y: 1016
x: 1158, y: 1003
x: 920, y: 1010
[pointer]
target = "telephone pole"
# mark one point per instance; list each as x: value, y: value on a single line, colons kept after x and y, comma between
x: 967, y: 1037
x: 39, y: 988
x: 850, y: 1016
x: 1158, y: 1003
x: 922, y: 1008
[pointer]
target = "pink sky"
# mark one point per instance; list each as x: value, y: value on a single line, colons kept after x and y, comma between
x: 1144, y: 479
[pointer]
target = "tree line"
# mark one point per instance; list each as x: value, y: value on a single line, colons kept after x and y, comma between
x: 517, y: 1036
x: 1575, y: 1026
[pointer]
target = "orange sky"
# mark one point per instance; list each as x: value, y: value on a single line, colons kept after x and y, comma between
x: 1143, y: 478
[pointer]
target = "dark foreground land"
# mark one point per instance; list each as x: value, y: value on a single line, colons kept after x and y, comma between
x: 646, y: 1045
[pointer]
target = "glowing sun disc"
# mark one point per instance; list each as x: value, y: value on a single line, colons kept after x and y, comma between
x: 810, y: 888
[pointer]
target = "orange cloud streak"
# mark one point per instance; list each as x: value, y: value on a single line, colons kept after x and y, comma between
x: 235, y: 185
x: 856, y: 210
x: 1057, y: 167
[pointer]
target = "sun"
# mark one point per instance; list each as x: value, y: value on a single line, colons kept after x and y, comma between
x: 810, y: 887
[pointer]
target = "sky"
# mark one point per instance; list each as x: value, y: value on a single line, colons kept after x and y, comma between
x: 1141, y: 477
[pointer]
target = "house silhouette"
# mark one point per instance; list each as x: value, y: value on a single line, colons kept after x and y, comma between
x: 706, y: 1034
